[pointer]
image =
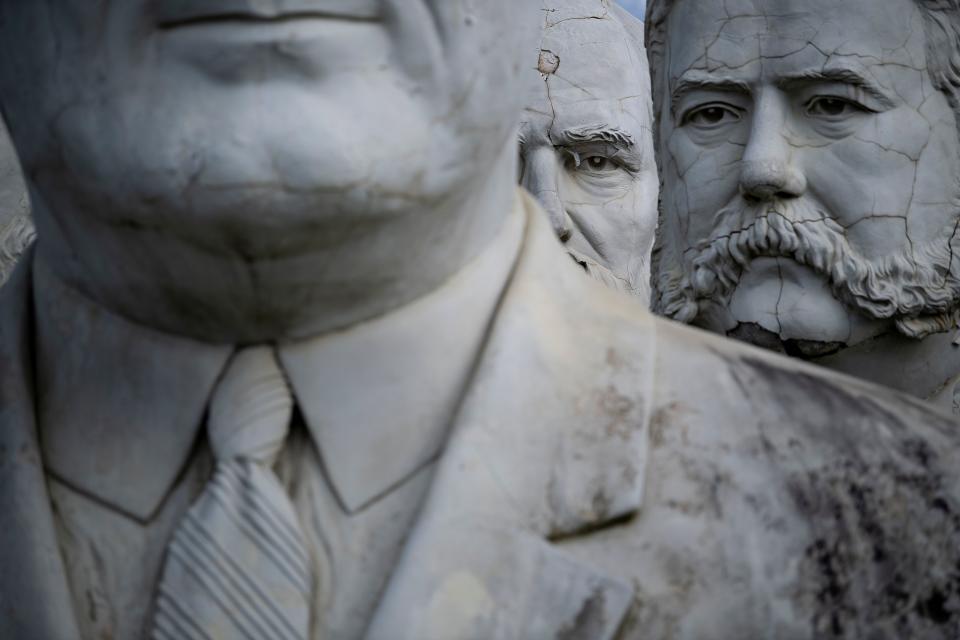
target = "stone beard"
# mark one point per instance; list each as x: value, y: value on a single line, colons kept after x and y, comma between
x: 804, y: 185
x: 917, y: 288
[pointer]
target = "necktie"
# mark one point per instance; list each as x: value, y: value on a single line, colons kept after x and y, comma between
x: 237, y: 565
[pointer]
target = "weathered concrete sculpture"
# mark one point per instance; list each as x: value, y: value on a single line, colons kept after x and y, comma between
x: 293, y: 358
x: 811, y: 177
x: 16, y: 230
x: 586, y: 143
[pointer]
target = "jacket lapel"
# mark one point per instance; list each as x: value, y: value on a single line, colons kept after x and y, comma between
x: 550, y: 443
x: 34, y: 597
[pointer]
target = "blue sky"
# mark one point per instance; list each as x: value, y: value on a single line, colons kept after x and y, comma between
x: 636, y: 7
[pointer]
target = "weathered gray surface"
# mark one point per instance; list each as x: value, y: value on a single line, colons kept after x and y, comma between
x: 16, y: 230
x: 809, y: 155
x: 487, y: 444
x: 586, y: 140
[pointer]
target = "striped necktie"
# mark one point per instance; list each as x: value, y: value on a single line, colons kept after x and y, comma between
x: 237, y: 565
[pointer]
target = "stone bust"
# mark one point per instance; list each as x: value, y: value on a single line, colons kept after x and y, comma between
x: 810, y: 180
x: 294, y: 357
x: 586, y: 141
x: 16, y: 230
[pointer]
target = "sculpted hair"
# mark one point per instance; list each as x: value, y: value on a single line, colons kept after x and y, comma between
x: 942, y: 26
x: 655, y: 39
x: 941, y: 23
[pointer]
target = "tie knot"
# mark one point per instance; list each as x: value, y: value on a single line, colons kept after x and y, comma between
x: 251, y: 408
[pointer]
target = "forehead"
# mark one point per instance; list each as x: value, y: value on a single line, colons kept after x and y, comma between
x: 602, y: 75
x: 594, y: 53
x: 754, y: 39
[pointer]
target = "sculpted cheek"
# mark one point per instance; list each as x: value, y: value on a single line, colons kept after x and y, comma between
x: 644, y: 197
x: 705, y: 181
x: 859, y: 176
x: 878, y: 236
x: 868, y: 198
x: 598, y: 189
x: 888, y: 144
x: 938, y: 173
x: 891, y: 182
x: 905, y: 130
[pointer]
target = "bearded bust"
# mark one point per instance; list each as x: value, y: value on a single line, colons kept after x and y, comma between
x: 811, y: 180
x: 295, y: 358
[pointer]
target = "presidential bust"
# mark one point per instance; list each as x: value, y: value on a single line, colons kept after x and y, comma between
x: 293, y: 357
x: 16, y: 230
x: 586, y: 140
x: 810, y: 180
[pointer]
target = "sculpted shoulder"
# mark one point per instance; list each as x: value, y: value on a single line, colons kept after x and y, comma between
x: 695, y: 367
x: 811, y: 503
x: 628, y: 468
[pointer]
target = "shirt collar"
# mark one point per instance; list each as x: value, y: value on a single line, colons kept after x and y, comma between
x: 120, y: 405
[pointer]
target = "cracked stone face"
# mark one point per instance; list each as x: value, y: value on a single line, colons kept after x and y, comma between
x: 260, y: 148
x: 810, y: 164
x: 16, y: 230
x: 586, y: 143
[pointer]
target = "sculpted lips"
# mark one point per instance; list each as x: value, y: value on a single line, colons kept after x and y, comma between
x: 178, y: 13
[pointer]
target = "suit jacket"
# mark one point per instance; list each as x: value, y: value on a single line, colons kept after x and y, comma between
x: 611, y: 475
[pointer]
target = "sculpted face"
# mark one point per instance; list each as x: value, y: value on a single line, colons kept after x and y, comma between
x: 164, y: 136
x: 586, y: 143
x: 810, y: 169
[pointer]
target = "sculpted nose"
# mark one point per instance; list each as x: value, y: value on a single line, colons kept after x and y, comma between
x: 541, y: 178
x: 768, y: 179
x: 768, y: 170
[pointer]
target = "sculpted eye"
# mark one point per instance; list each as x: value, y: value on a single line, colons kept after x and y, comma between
x: 712, y: 115
x: 594, y: 162
x: 833, y: 108
x: 598, y: 164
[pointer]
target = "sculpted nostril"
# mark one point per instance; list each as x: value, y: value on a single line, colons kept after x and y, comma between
x: 766, y: 180
x: 761, y: 191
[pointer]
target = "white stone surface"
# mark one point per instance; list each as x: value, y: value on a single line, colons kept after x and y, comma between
x: 286, y: 125
x: 792, y: 130
x: 289, y: 178
x: 586, y: 140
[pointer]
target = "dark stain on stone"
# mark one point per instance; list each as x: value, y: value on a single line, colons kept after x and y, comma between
x: 756, y: 335
x: 614, y: 360
x: 665, y: 419
x: 589, y: 621
x: 885, y: 548
x: 879, y: 498
x: 620, y: 411
x: 600, y: 504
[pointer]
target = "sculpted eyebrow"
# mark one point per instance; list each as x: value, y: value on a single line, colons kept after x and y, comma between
x: 844, y: 75
x: 702, y: 81
x: 596, y: 133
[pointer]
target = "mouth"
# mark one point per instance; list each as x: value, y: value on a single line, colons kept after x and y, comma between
x: 173, y: 14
